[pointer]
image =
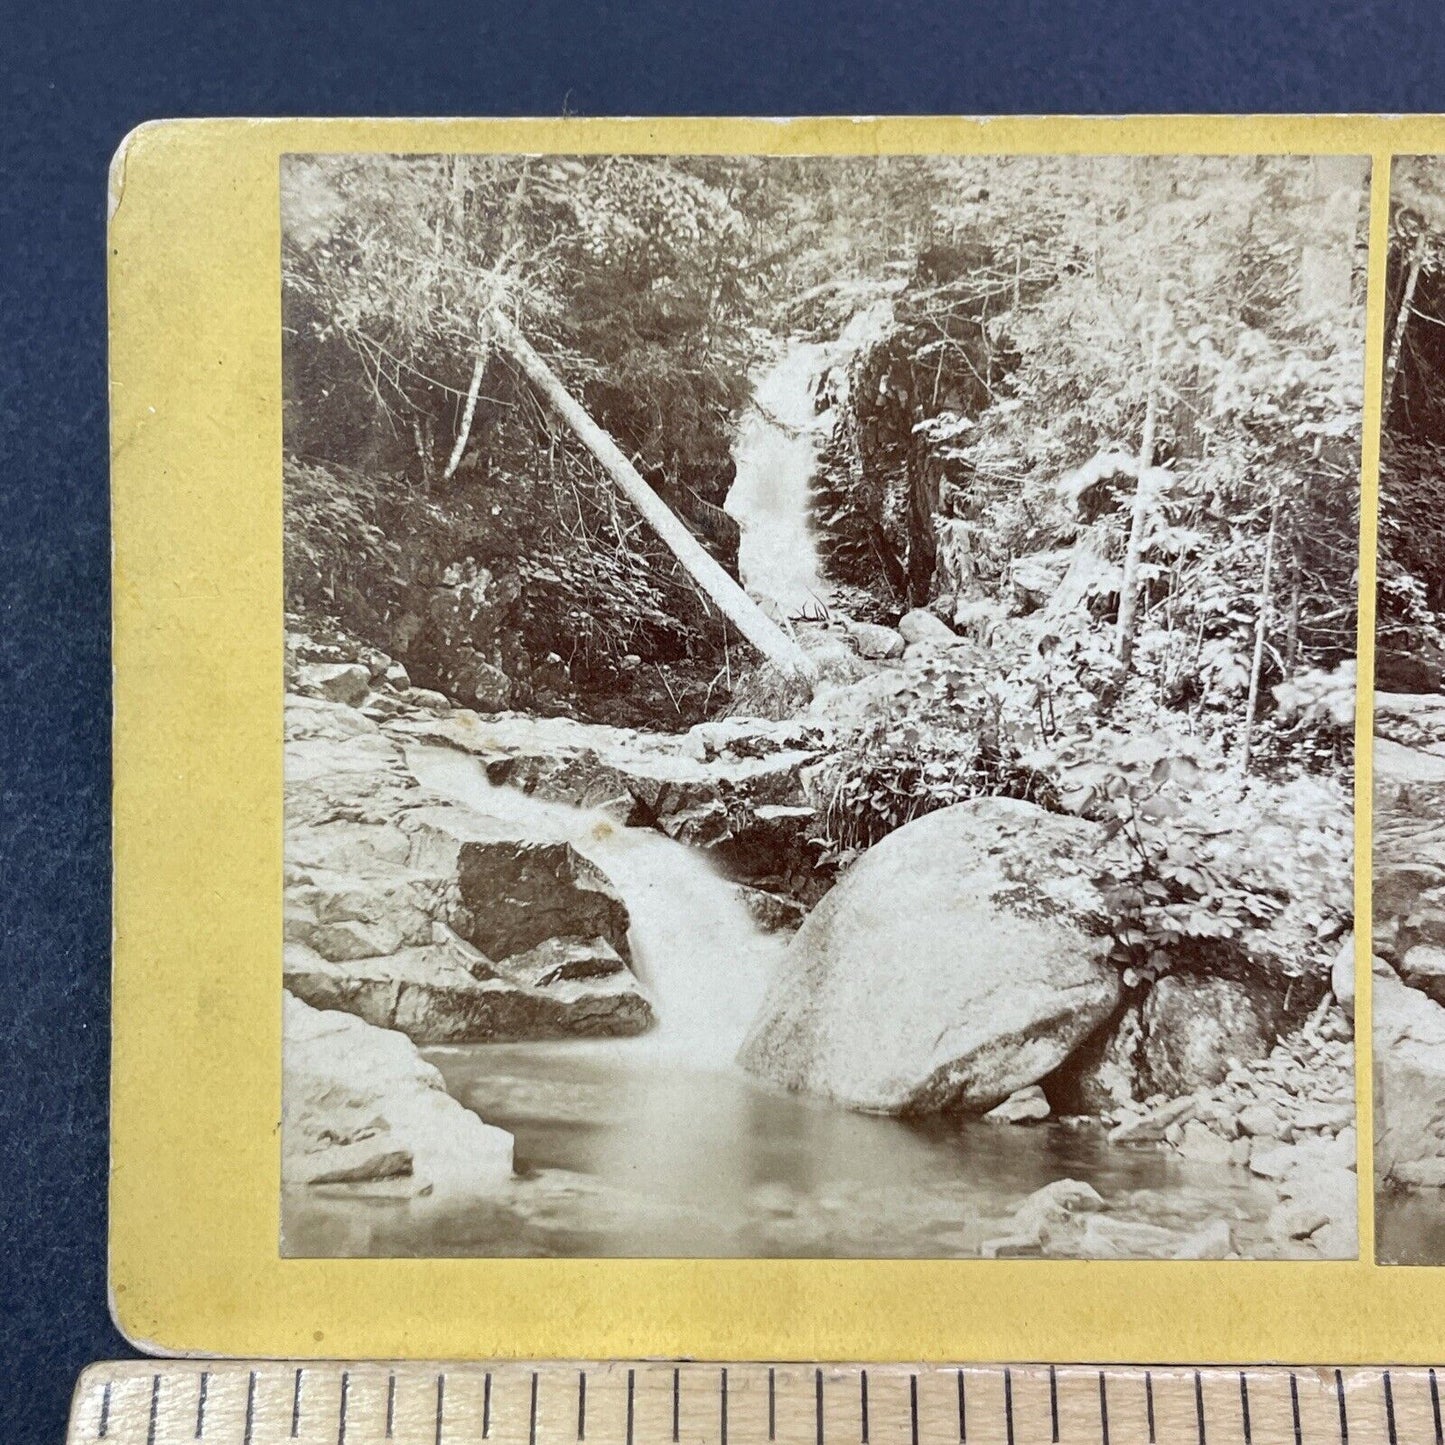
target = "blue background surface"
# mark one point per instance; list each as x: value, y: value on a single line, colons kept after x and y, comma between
x: 74, y: 79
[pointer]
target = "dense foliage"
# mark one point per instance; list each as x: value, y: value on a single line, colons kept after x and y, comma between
x: 1099, y: 415
x: 1411, y: 599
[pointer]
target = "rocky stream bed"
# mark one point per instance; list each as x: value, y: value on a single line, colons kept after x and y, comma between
x: 562, y: 988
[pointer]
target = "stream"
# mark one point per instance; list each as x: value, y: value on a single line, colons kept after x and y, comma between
x: 660, y: 1145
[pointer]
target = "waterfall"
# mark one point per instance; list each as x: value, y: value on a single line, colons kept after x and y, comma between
x: 698, y: 953
x: 776, y: 452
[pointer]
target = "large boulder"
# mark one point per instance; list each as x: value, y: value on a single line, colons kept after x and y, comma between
x: 1409, y: 1053
x: 1196, y: 1029
x: 360, y: 1107
x: 960, y: 959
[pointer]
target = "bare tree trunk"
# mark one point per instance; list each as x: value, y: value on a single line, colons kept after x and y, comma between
x: 470, y: 409
x: 484, y: 339
x: 1261, y: 628
x: 1397, y: 337
x: 1139, y: 517
x: 731, y: 600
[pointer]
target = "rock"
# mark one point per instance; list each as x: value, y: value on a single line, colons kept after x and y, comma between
x: 958, y: 960
x: 433, y: 996
x: 1201, y: 1143
x: 1342, y: 974
x: 1326, y: 1118
x: 487, y: 687
x: 397, y: 677
x: 772, y: 912
x: 921, y: 626
x: 1296, y: 1220
x: 429, y: 699
x: 1023, y: 1106
x: 1260, y: 1121
x: 1011, y: 1246
x: 362, y: 1161
x: 1409, y: 1062
x: 1420, y: 1174
x: 1195, y: 1028
x: 1051, y: 1208
x: 1329, y: 1190
x: 1150, y: 1128
x: 874, y: 642
x: 1106, y: 1237
x: 735, y: 786
x: 347, y: 682
x: 424, y: 917
x: 1271, y: 1160
x: 510, y: 896
x: 1423, y: 967
x: 360, y: 1104
x: 1212, y: 1242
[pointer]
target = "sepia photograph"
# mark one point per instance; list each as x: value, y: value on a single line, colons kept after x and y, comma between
x: 819, y: 709
x: 1408, y: 974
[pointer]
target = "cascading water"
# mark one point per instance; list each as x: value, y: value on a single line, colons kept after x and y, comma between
x: 776, y: 452
x: 703, y: 960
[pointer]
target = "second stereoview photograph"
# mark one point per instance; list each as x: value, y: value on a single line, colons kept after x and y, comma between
x: 820, y: 703
x: 1409, y: 747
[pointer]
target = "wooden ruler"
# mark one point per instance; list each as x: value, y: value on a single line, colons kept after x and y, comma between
x: 273, y: 1402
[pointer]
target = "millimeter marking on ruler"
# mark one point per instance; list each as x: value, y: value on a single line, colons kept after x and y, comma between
x: 261, y: 1402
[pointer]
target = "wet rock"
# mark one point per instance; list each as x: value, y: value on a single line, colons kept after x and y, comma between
x: 1023, y: 1106
x: 360, y: 1105
x: 1151, y: 1127
x: 958, y: 960
x: 735, y: 787
x: 510, y: 895
x: 1106, y: 1237
x: 422, y: 916
x: 1044, y: 1215
x: 1196, y: 1028
x: 346, y: 682
x: 444, y: 994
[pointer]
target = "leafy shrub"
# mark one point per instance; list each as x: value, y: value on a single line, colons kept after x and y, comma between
x: 956, y: 727
x: 1210, y: 872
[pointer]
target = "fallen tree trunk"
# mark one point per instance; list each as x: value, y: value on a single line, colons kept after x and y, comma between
x: 735, y: 604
